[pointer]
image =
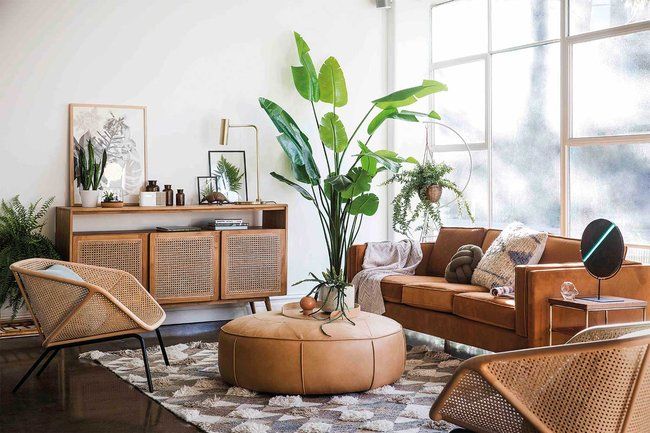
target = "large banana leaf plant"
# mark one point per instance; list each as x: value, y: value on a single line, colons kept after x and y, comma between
x: 340, y: 191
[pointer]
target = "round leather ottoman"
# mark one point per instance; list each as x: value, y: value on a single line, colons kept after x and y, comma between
x: 272, y: 353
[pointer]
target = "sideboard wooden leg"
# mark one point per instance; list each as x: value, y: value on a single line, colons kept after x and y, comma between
x: 267, y: 302
x: 252, y: 304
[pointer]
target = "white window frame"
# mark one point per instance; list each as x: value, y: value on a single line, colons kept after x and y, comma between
x: 567, y: 140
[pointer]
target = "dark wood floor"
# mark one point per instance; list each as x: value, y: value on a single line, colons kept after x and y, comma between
x: 78, y: 396
x: 75, y: 396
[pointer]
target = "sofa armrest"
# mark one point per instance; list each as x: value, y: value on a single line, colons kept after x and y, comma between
x: 535, y: 284
x: 355, y: 260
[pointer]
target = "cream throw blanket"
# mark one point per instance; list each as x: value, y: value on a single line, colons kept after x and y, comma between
x: 381, y: 260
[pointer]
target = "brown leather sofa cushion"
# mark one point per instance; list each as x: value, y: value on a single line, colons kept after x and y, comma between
x: 485, y: 308
x: 561, y: 250
x: 391, y: 286
x: 447, y: 243
x: 438, y: 296
x: 490, y: 236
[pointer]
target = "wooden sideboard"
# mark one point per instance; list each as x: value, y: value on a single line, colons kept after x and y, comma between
x: 208, y: 266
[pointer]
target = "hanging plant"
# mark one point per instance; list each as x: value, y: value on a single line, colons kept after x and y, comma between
x: 426, y: 182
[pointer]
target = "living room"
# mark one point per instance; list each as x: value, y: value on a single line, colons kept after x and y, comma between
x: 352, y: 215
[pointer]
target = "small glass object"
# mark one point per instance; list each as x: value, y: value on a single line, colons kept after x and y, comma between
x: 568, y: 290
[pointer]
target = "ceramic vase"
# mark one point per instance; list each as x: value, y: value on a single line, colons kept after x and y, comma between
x: 89, y: 198
x: 329, y: 297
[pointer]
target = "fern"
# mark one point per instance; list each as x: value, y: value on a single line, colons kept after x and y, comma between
x: 21, y: 238
x: 228, y: 174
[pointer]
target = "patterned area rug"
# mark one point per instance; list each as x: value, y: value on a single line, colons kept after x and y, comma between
x: 192, y: 389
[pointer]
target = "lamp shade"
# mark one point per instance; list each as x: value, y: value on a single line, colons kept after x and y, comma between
x: 223, y: 134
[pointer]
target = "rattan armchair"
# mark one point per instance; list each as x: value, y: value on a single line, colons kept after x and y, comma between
x: 598, y: 382
x: 108, y: 304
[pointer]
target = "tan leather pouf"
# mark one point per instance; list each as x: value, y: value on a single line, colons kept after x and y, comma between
x: 269, y: 352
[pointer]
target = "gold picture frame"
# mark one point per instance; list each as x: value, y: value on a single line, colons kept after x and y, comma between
x: 122, y: 130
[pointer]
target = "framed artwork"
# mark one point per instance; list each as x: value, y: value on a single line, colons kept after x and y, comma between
x: 206, y: 188
x: 121, y: 130
x: 229, y: 169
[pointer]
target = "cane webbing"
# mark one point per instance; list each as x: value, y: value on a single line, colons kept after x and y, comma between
x: 123, y: 254
x: 254, y: 265
x: 184, y: 267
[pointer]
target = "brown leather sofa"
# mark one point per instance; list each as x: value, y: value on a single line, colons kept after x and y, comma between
x: 468, y: 314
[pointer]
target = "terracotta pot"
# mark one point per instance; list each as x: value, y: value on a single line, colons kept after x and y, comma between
x: 329, y: 297
x: 431, y: 193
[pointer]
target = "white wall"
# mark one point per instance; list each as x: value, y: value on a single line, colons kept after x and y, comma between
x: 191, y: 63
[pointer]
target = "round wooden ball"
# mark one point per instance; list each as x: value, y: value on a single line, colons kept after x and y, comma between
x: 307, y: 304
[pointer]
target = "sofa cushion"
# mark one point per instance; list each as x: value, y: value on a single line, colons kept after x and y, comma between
x: 391, y: 286
x: 447, y: 243
x: 490, y: 236
x: 438, y: 296
x: 485, y: 308
x: 516, y: 245
x: 561, y: 250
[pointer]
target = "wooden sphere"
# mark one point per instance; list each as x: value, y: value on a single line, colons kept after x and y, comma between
x: 307, y: 304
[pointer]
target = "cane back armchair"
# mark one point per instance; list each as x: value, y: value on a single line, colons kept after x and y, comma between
x: 599, y: 381
x: 108, y: 304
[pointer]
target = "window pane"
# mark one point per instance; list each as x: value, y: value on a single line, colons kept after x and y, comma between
x: 476, y: 193
x: 459, y: 29
x: 526, y: 139
x: 520, y: 22
x: 611, y: 181
x: 590, y: 15
x: 463, y: 106
x: 611, y: 86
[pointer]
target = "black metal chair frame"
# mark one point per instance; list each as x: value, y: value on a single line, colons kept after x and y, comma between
x: 55, y: 349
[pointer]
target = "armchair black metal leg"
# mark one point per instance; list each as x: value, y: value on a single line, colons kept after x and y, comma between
x: 162, y: 347
x: 47, y: 362
x: 145, y: 359
x: 31, y: 369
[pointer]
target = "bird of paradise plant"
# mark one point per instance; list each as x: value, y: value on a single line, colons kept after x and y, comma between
x: 341, y: 195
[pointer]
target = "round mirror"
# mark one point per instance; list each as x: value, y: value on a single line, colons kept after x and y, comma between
x: 602, y: 248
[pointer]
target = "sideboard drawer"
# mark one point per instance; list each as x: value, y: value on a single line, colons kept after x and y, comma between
x: 253, y: 263
x: 125, y: 251
x: 184, y: 267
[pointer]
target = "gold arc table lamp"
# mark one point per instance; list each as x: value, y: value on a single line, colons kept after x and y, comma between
x: 223, y: 140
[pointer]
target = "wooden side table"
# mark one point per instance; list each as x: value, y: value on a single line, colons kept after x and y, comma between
x: 589, y: 307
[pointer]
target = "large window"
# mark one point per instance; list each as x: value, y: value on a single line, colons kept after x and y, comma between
x: 554, y: 98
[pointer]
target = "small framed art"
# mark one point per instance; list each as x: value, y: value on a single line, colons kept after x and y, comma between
x: 207, y: 192
x: 229, y: 169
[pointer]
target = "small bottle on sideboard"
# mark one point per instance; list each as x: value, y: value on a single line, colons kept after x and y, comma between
x: 169, y: 195
x: 180, y: 198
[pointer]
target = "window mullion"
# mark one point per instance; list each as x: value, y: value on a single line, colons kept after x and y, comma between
x: 565, y: 120
x: 488, y: 114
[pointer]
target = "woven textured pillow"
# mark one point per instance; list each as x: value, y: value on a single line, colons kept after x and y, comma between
x: 516, y: 245
x: 461, y: 267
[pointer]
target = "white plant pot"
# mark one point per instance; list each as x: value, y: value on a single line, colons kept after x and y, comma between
x: 89, y: 198
x: 330, y: 298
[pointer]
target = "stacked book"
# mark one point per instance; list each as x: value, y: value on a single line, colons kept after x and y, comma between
x: 229, y: 224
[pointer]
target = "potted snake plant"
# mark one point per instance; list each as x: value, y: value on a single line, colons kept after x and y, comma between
x: 89, y: 173
x: 340, y: 188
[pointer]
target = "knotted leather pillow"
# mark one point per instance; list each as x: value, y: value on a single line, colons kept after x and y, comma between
x: 462, y: 264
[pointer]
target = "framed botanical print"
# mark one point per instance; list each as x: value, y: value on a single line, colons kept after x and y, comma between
x: 121, y: 131
x: 229, y: 169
